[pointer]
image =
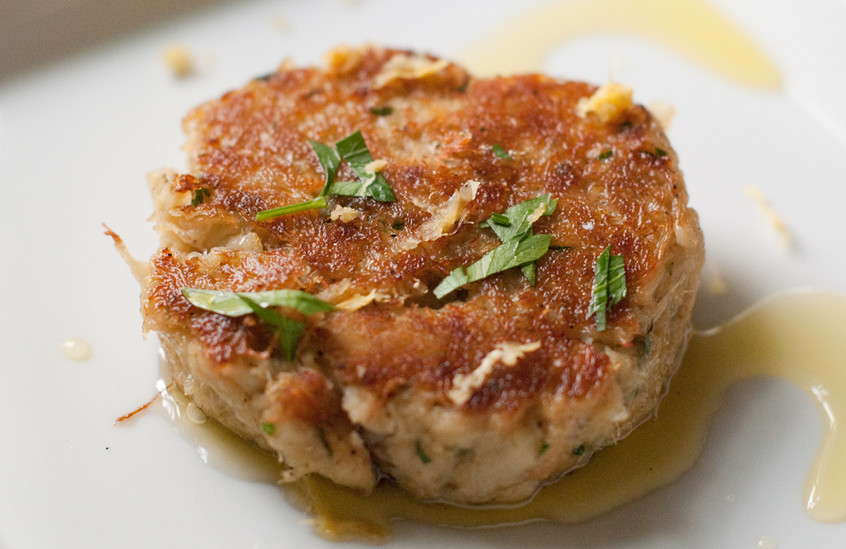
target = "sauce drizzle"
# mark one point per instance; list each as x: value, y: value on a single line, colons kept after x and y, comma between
x: 795, y: 336
x: 691, y: 28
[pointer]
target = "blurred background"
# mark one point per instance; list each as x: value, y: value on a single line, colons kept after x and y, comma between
x: 32, y: 32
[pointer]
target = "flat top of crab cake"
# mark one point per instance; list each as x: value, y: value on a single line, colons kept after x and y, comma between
x: 437, y: 129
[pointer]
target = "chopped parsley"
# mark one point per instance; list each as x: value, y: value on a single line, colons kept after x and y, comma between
x: 501, y: 219
x: 321, y: 434
x: 262, y: 304
x: 268, y: 428
x: 579, y: 451
x: 500, y: 152
x: 199, y: 195
x: 382, y: 111
x: 609, y: 285
x: 529, y: 271
x: 657, y: 153
x: 354, y: 151
x: 421, y: 454
x: 605, y: 155
x: 520, y: 217
x: 519, y: 247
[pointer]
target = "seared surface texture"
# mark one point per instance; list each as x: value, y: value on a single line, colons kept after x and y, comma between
x: 369, y: 389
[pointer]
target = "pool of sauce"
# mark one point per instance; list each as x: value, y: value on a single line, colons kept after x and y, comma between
x: 796, y: 336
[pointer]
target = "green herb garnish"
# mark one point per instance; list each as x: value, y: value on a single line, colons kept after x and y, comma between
x: 543, y: 448
x: 420, y: 453
x: 268, y: 428
x: 382, y: 111
x: 354, y: 150
x: 579, y: 451
x: 519, y: 217
x: 519, y: 248
x: 500, y: 152
x: 657, y: 153
x: 609, y: 285
x: 501, y: 219
x: 511, y: 253
x: 605, y: 155
x: 321, y: 434
x: 199, y: 195
x: 234, y: 304
x: 529, y: 271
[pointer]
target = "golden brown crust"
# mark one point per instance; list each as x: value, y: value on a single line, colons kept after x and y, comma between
x: 617, y: 184
x: 254, y: 154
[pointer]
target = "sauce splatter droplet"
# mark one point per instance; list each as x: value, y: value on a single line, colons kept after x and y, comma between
x: 767, y: 543
x: 195, y: 414
x: 76, y: 349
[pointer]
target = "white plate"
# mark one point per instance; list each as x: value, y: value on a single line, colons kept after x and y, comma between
x: 78, y: 136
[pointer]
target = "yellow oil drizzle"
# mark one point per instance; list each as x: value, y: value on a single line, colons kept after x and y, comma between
x: 217, y: 446
x: 691, y: 28
x: 797, y: 337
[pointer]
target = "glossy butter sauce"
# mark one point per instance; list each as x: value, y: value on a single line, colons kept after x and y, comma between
x: 798, y: 337
x: 691, y: 28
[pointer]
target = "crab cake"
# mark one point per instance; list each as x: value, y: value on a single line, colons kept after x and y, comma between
x: 466, y: 285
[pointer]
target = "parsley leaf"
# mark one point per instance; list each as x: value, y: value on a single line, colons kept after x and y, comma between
x: 500, y: 152
x: 288, y: 330
x: 609, y: 285
x: 519, y: 248
x: 500, y: 219
x: 529, y: 272
x: 513, y: 252
x: 520, y: 217
x: 199, y: 195
x: 517, y: 220
x: 420, y: 453
x: 233, y: 304
x: 354, y: 150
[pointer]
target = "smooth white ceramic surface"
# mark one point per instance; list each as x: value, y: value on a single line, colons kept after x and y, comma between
x: 78, y: 136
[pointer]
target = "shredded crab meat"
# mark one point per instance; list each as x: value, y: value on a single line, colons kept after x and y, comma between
x: 607, y: 103
x: 407, y: 67
x: 375, y: 167
x: 507, y: 352
x: 358, y: 301
x: 445, y: 219
x: 343, y: 214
